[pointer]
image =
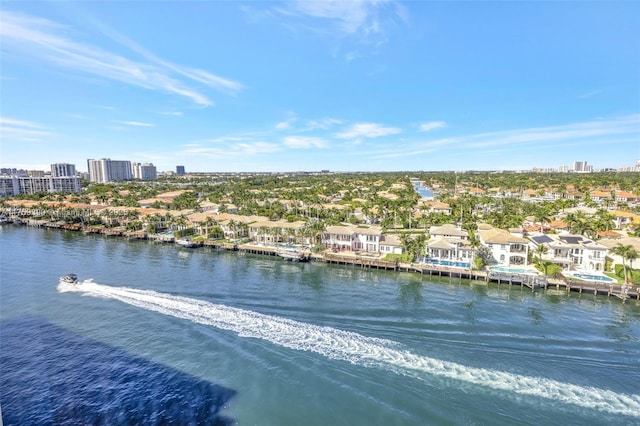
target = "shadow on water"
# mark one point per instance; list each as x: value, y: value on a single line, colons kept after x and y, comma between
x: 50, y: 376
x: 411, y: 293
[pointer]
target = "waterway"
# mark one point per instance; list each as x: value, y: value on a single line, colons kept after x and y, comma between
x: 423, y: 191
x: 158, y: 334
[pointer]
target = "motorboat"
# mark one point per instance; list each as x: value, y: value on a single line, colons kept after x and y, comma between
x: 291, y: 254
x: 187, y: 242
x: 69, y: 278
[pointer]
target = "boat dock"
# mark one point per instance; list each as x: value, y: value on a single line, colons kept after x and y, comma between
x: 255, y: 249
x: 534, y: 282
x: 221, y: 245
x: 363, y: 262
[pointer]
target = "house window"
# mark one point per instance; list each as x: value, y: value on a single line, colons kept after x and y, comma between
x: 502, y: 258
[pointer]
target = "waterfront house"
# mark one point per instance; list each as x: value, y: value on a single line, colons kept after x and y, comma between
x: 616, y: 259
x: 507, y: 249
x: 572, y: 251
x: 352, y: 238
x: 274, y: 232
x: 448, y: 243
x: 338, y: 238
x: 390, y: 244
x: 440, y: 249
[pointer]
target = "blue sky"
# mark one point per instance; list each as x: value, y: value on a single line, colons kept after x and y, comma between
x: 338, y: 85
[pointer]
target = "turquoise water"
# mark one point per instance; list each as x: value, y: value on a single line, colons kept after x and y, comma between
x: 257, y: 340
x: 447, y: 263
x: 590, y: 277
x: 511, y: 270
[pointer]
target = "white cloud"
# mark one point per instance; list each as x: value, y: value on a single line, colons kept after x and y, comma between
x: 349, y: 16
x: 553, y: 134
x: 591, y: 94
x: 229, y: 150
x: 288, y: 123
x: 50, y: 42
x: 322, y: 124
x: 432, y: 125
x: 367, y: 130
x: 304, y: 142
x: 283, y: 125
x: 173, y: 113
x: 402, y: 153
x: 28, y: 131
x: 364, y: 21
x: 258, y: 147
x: 137, y: 123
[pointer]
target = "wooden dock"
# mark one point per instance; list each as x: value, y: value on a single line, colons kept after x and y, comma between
x: 253, y: 249
x: 623, y: 292
x: 361, y: 261
x: 221, y: 245
x: 534, y: 282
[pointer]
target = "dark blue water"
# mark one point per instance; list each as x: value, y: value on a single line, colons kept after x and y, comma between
x: 217, y: 337
x: 51, y: 376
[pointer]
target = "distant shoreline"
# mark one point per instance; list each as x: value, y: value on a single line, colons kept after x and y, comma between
x: 628, y: 292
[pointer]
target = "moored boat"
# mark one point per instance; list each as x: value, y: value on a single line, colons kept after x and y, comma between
x: 187, y: 242
x: 291, y: 254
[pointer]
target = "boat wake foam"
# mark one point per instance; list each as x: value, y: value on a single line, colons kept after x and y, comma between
x: 356, y: 348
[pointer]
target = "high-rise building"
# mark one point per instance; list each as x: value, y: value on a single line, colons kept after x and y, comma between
x: 106, y: 170
x: 63, y: 169
x: 146, y: 171
x: 14, y: 185
x: 180, y: 170
x: 578, y: 166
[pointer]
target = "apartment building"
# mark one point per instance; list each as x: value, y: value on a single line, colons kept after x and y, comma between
x: 105, y: 170
x: 14, y: 185
x: 146, y: 171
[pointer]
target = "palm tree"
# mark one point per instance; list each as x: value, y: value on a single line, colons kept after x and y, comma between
x: 208, y: 224
x: 541, y: 216
x: 627, y: 252
x: 539, y: 252
x: 475, y: 244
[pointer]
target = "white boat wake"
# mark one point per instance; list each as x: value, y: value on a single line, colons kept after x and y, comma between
x: 356, y: 348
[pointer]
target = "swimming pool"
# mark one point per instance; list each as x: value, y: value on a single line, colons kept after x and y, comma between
x: 591, y: 277
x: 452, y: 263
x: 510, y: 270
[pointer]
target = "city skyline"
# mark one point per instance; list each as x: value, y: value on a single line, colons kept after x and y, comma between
x: 340, y: 86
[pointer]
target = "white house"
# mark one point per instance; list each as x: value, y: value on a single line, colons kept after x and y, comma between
x: 390, y: 244
x: 352, y: 238
x: 507, y: 249
x: 572, y: 251
x: 448, y: 243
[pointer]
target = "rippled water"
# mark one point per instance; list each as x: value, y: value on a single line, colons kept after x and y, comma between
x: 257, y: 340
